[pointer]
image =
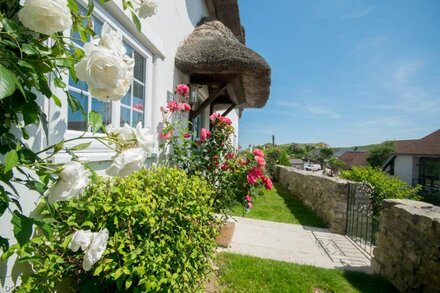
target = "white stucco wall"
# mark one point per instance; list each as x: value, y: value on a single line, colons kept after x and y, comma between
x: 403, y: 168
x: 162, y: 35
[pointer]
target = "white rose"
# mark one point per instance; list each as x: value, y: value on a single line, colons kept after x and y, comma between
x: 72, y: 180
x: 81, y: 239
x: 127, y: 162
x: 148, y: 8
x: 122, y: 135
x: 45, y: 16
x: 105, y: 67
x: 145, y: 138
x: 96, y: 249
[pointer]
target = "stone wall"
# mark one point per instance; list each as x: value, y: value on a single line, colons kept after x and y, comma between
x: 327, y: 196
x: 408, y: 245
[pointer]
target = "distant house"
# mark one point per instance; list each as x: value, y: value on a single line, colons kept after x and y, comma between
x: 354, y: 158
x: 417, y: 161
x: 297, y: 163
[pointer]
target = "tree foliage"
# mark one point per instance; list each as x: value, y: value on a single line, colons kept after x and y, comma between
x: 380, y: 153
x: 384, y: 185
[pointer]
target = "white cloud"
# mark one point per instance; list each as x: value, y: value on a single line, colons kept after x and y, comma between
x: 288, y: 104
x: 360, y: 13
x: 321, y: 110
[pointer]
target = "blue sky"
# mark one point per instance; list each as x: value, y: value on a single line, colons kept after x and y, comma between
x: 345, y: 72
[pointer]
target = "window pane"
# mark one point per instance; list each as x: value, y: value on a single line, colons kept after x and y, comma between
x: 103, y: 108
x: 126, y: 100
x: 129, y: 49
x: 138, y: 96
x: 97, y: 26
x: 139, y: 67
x: 82, y: 85
x: 137, y: 116
x: 125, y: 116
x: 76, y: 119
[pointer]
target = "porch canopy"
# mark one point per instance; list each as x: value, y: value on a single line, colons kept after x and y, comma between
x: 212, y: 55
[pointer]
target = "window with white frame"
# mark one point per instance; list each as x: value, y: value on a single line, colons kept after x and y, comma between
x: 132, y: 107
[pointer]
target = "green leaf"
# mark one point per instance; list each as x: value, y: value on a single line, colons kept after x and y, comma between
x: 81, y: 146
x: 4, y: 243
x: 11, y: 160
x: 56, y: 100
x: 128, y: 283
x: 22, y: 227
x: 45, y: 227
x: 87, y: 224
x: 30, y: 112
x: 136, y: 21
x: 8, y: 80
x: 4, y: 200
x: 73, y: 6
x: 90, y: 8
x: 95, y: 120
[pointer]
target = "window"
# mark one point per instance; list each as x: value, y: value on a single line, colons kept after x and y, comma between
x: 132, y: 107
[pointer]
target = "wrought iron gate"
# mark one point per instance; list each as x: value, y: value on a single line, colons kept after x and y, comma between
x: 361, y: 224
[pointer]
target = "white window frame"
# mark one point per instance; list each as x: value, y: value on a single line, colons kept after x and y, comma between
x: 58, y: 117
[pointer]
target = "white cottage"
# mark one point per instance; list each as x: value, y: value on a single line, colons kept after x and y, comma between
x: 196, y: 42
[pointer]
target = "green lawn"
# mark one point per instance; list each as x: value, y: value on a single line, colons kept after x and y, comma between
x: 250, y: 274
x: 278, y: 205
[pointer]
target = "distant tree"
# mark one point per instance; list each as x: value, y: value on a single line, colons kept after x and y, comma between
x: 296, y: 151
x: 380, y: 153
x: 324, y: 155
x: 308, y: 152
x: 336, y: 165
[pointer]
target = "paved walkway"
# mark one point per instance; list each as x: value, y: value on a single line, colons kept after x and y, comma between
x: 297, y: 244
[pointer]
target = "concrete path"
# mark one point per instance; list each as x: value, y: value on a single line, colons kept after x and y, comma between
x: 297, y: 244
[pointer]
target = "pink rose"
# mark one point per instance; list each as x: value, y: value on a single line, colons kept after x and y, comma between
x: 267, y: 182
x: 214, y: 116
x: 173, y: 106
x: 260, y: 161
x: 249, y: 205
x: 165, y: 136
x: 226, y: 120
x: 253, y: 175
x: 230, y: 155
x: 248, y: 198
x: 185, y: 107
x: 258, y: 152
x: 182, y: 90
x: 204, y: 134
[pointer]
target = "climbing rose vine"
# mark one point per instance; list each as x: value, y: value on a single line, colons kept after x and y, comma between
x: 35, y: 57
x: 235, y: 176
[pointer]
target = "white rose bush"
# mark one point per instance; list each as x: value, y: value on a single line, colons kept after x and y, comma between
x: 36, y: 54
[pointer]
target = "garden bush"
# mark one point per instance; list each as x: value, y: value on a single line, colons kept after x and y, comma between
x: 276, y: 156
x: 161, y: 236
x: 384, y: 185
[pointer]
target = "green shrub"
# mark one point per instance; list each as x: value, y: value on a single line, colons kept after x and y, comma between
x: 385, y: 186
x: 161, y: 236
x: 276, y: 156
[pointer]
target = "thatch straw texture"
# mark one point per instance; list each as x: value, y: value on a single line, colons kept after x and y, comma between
x: 212, y: 49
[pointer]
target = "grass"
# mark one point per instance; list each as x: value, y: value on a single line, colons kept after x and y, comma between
x: 278, y: 205
x: 240, y: 273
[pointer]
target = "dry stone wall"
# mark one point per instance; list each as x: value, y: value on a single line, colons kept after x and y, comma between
x: 408, y: 245
x: 327, y: 196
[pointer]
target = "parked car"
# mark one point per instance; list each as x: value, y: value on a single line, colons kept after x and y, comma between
x: 312, y: 167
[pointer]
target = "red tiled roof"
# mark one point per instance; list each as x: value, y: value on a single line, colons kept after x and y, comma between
x: 354, y: 158
x: 427, y: 146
